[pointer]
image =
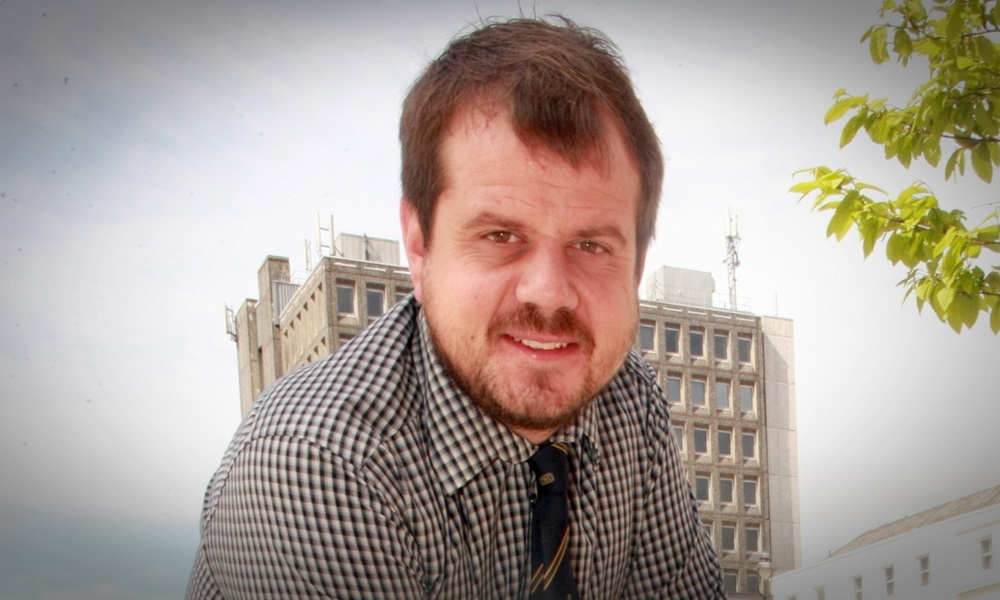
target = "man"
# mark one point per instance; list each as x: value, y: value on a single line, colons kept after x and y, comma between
x: 407, y: 465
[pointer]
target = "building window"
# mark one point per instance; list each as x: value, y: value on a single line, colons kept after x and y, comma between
x: 729, y: 581
x: 375, y: 296
x: 401, y: 294
x: 858, y: 588
x: 679, y: 436
x: 753, y: 583
x: 890, y: 582
x: 986, y: 552
x: 726, y: 485
x: 821, y: 593
x: 722, y: 395
x: 744, y: 346
x: 702, y: 483
x: 924, y: 564
x: 725, y: 442
x: 721, y: 345
x: 749, y: 492
x: 647, y: 336
x: 746, y: 398
x: 752, y: 535
x: 749, y: 445
x: 698, y: 392
x: 697, y: 337
x: 672, y: 339
x: 729, y: 538
x: 700, y: 440
x: 673, y: 389
x: 345, y: 299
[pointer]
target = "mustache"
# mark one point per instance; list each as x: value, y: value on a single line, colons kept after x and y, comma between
x: 531, y: 318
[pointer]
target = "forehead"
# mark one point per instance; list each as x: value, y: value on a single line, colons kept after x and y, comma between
x: 486, y: 134
x: 493, y: 178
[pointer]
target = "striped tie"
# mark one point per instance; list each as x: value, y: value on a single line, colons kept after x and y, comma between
x: 551, y: 571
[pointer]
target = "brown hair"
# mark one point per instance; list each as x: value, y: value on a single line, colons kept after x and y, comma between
x: 556, y: 82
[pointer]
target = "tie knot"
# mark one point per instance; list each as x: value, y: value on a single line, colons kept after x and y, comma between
x: 551, y: 467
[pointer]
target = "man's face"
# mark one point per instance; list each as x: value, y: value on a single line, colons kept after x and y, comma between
x: 529, y: 281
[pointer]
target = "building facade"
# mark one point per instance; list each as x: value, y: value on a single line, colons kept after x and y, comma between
x: 943, y: 553
x: 728, y: 376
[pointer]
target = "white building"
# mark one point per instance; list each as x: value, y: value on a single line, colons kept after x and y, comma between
x: 943, y: 553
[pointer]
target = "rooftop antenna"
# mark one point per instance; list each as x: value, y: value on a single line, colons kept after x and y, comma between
x: 320, y: 246
x: 732, y: 256
x: 230, y: 323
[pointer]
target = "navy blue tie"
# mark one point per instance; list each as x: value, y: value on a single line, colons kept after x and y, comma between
x: 551, y: 569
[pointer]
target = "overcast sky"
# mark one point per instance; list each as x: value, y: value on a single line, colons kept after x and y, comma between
x: 152, y: 154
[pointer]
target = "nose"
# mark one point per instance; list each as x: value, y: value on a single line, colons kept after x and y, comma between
x: 546, y: 279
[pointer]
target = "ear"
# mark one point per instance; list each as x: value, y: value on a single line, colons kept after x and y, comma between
x: 413, y: 244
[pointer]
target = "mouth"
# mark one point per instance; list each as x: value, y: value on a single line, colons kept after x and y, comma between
x: 536, y: 345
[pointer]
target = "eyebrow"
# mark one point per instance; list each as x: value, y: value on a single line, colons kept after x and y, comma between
x: 491, y: 219
x: 606, y: 231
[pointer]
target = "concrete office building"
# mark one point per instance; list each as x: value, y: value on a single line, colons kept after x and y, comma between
x: 942, y: 553
x: 729, y: 378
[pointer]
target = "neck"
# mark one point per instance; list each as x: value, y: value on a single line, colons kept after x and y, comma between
x: 535, y: 436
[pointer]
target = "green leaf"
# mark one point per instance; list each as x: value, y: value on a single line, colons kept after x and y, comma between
x: 804, y: 188
x: 986, y: 48
x: 995, y: 318
x: 869, y: 230
x: 902, y: 44
x: 840, y: 107
x: 967, y: 308
x: 944, y: 243
x: 955, y: 23
x: 843, y: 217
x: 877, y: 45
x: 896, y: 247
x: 954, y: 319
x: 964, y: 63
x: 932, y: 151
x: 955, y: 161
x: 851, y: 129
x: 981, y: 163
x: 945, y: 296
x: 915, y: 10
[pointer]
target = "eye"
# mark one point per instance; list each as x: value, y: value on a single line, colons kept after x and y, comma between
x: 501, y: 237
x: 591, y: 247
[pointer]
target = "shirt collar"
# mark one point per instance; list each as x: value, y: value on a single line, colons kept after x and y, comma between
x: 462, y: 440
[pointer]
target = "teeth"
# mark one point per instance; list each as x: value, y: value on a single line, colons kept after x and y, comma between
x: 543, y: 346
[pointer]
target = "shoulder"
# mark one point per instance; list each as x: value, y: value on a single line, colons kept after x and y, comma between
x: 635, y: 394
x: 351, y: 401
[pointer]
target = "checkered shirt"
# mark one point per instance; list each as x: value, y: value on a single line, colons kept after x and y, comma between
x: 369, y: 474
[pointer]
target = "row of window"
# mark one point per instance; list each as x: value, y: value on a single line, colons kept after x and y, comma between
x: 923, y: 572
x: 697, y: 338
x: 726, y: 492
x: 731, y: 579
x: 727, y: 534
x: 724, y: 438
x: 697, y: 395
x: 889, y: 573
x: 375, y: 299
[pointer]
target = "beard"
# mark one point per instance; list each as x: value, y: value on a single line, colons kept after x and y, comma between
x: 535, y: 403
